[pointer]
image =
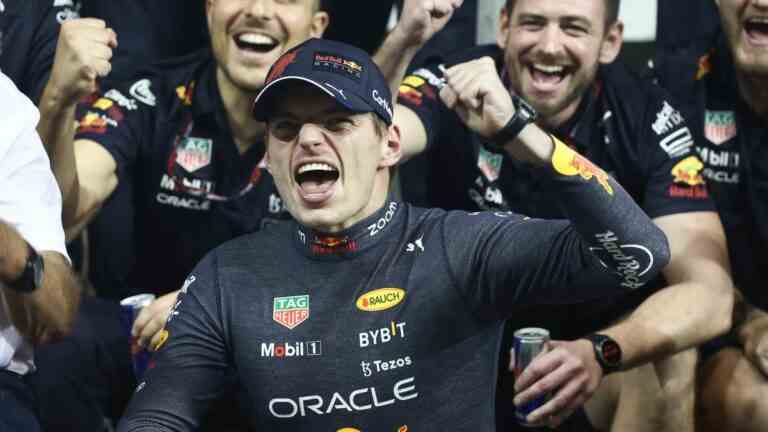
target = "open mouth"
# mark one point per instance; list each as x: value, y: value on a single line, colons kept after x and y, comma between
x: 757, y: 29
x: 255, y: 42
x: 547, y: 76
x: 316, y: 180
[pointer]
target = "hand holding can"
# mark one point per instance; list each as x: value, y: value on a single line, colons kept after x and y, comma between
x: 528, y: 343
x: 130, y: 308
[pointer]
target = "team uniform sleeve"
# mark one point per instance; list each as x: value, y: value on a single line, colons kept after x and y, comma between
x: 502, y: 261
x: 121, y: 122
x: 30, y: 199
x: 675, y: 181
x: 419, y: 92
x: 190, y: 364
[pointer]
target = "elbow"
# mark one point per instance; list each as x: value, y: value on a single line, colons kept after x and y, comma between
x: 724, y: 301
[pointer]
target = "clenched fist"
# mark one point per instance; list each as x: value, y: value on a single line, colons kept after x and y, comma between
x: 83, y: 54
x: 421, y: 19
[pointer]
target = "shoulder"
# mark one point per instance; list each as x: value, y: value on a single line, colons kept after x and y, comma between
x: 17, y: 113
x: 272, y: 243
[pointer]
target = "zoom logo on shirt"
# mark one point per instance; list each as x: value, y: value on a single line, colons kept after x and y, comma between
x: 292, y: 349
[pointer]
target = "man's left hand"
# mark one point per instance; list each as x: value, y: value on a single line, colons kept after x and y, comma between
x: 756, y: 345
x: 568, y: 372
x: 152, y: 318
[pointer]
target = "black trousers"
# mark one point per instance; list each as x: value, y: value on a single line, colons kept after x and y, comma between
x: 18, y: 411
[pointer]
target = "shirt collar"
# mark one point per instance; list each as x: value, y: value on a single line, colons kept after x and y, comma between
x: 349, y: 242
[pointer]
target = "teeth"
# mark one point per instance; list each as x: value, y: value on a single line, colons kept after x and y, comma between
x: 759, y: 20
x: 256, y: 39
x: 315, y: 167
x: 549, y: 69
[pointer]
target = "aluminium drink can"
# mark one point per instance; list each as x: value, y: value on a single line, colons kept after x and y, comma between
x: 129, y: 310
x: 527, y: 344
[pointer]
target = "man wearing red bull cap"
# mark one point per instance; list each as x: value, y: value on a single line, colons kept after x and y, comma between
x: 180, y: 139
x: 558, y: 56
x: 723, y: 81
x: 394, y: 323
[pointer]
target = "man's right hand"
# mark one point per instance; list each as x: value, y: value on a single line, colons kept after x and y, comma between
x: 421, y: 19
x: 83, y: 54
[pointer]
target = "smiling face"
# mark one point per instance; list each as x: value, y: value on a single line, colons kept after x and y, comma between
x: 247, y: 36
x: 746, y: 24
x: 331, y: 166
x: 552, y: 49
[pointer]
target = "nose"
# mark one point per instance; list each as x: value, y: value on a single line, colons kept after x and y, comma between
x: 551, y: 43
x: 262, y: 9
x: 310, y: 136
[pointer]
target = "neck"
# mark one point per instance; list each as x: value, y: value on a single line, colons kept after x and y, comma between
x: 754, y: 90
x: 237, y: 105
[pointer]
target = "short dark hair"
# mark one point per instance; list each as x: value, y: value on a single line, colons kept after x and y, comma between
x: 611, y: 10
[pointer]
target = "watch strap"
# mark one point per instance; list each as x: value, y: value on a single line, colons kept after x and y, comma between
x: 607, y: 352
x: 31, y: 275
x: 523, y: 116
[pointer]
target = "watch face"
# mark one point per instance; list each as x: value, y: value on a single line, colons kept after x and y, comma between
x: 610, y: 352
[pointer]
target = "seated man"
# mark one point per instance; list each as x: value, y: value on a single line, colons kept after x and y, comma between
x: 38, y: 292
x: 559, y: 57
x: 726, y: 85
x: 394, y: 316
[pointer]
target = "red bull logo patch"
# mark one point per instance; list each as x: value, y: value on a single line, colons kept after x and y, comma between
x: 569, y: 163
x: 688, y: 171
x: 720, y: 126
x: 337, y: 64
x: 290, y: 311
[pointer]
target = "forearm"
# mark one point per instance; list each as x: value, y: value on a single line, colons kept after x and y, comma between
x: 57, y: 132
x: 669, y: 322
x: 393, y: 58
x: 49, y: 311
x: 602, y: 212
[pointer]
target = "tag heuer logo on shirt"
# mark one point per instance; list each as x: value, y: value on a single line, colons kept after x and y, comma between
x: 291, y: 311
x: 489, y: 164
x: 194, y: 153
x: 720, y: 126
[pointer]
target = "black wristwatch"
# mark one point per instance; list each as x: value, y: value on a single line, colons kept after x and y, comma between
x: 31, y: 277
x: 607, y: 352
x: 524, y: 115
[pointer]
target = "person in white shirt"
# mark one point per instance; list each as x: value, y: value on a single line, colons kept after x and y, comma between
x: 38, y: 291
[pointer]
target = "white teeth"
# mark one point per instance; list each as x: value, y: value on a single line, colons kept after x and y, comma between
x: 315, y: 167
x: 549, y: 69
x: 256, y: 39
x: 759, y: 20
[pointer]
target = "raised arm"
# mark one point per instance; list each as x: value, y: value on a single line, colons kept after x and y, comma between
x: 84, y: 171
x: 419, y: 21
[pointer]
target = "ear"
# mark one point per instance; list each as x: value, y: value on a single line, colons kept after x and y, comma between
x: 612, y: 42
x: 391, y: 151
x: 320, y: 22
x: 504, y: 24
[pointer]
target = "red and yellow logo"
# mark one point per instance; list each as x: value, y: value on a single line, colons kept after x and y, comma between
x: 688, y: 171
x: 380, y: 299
x: 569, y: 163
x: 161, y: 340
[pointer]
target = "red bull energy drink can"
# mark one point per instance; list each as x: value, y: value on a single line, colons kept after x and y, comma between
x: 130, y: 308
x: 527, y: 344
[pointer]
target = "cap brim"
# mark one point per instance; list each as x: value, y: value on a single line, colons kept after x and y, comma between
x: 263, y: 102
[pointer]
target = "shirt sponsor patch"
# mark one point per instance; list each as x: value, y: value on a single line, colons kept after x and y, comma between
x: 142, y: 91
x: 334, y: 63
x: 194, y: 153
x: 380, y: 299
x: 290, y: 311
x: 720, y: 126
x: 490, y: 164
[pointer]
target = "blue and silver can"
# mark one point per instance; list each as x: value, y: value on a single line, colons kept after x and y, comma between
x: 130, y: 308
x: 527, y: 344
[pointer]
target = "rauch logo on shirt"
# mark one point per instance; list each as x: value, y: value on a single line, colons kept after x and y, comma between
x: 380, y: 299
